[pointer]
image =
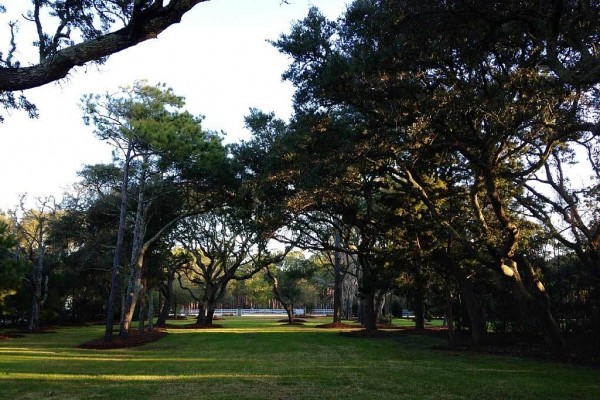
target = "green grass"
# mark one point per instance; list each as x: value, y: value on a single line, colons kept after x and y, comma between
x: 257, y: 358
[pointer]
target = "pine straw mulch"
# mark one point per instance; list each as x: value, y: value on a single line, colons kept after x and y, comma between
x: 135, y: 339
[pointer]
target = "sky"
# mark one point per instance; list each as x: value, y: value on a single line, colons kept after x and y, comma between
x: 218, y: 58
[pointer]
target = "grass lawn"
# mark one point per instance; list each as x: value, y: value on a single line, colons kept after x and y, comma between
x: 257, y: 358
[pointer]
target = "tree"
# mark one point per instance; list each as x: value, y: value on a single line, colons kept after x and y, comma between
x: 567, y: 210
x: 481, y: 96
x: 224, y: 248
x: 286, y: 278
x: 33, y: 229
x: 12, y: 270
x: 148, y: 125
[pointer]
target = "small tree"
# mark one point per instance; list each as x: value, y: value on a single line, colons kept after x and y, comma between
x: 286, y: 278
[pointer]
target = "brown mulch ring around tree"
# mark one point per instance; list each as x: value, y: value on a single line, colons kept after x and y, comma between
x: 135, y: 339
x: 42, y: 330
x: 296, y: 320
x: 194, y: 326
x: 338, y: 325
x: 10, y: 335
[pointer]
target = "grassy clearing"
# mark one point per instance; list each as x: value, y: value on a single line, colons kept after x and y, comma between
x: 257, y: 358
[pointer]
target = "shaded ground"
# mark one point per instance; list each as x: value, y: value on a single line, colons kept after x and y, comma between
x: 135, y: 338
x: 514, y: 345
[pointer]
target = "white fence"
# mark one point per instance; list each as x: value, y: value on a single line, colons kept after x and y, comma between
x: 245, y: 312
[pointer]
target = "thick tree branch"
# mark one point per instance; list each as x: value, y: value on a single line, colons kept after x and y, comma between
x: 148, y: 24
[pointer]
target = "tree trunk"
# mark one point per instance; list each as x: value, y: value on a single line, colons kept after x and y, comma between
x: 133, y: 291
x: 150, y: 310
x: 289, y: 309
x: 449, y: 316
x: 210, y: 314
x: 202, y: 313
x: 338, y: 279
x: 38, y: 290
x: 115, y: 279
x: 476, y: 320
x: 368, y: 311
x: 138, y: 251
x: 537, y: 302
x: 167, y: 302
x: 418, y: 299
x: 379, y: 303
x: 142, y: 310
x: 360, y: 311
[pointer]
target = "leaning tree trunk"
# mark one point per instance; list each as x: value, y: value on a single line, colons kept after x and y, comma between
x: 115, y: 279
x: 138, y: 251
x: 535, y: 299
x: 133, y: 291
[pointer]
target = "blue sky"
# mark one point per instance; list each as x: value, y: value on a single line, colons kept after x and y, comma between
x: 217, y: 58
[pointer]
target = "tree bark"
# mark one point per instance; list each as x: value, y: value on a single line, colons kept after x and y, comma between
x: 142, y: 310
x: 536, y: 300
x: 147, y: 24
x: 37, y: 289
x: 115, y: 279
x: 449, y: 315
x: 289, y: 309
x: 368, y: 311
x: 167, y: 301
x: 138, y: 251
x: 338, y: 279
x: 476, y: 320
x: 150, y: 310
x: 202, y: 313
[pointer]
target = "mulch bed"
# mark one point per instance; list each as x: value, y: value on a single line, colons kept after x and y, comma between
x: 10, y: 335
x: 135, y: 339
x: 296, y: 320
x: 339, y: 325
x: 194, y: 326
x: 41, y: 331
